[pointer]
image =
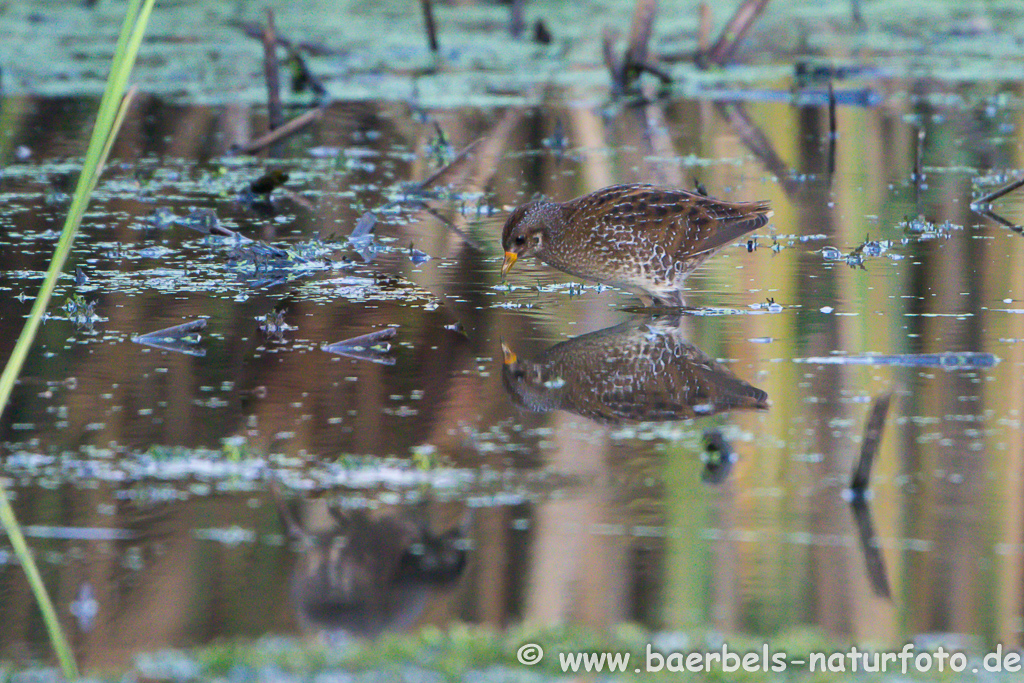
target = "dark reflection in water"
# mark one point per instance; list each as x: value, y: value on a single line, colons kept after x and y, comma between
x: 641, y: 370
x: 370, y: 572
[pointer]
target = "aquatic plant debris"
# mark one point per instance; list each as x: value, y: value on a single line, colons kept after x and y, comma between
x: 374, y: 347
x: 952, y: 360
x: 160, y: 470
x: 85, y: 607
x: 184, y: 338
x: 361, y: 238
x: 718, y: 457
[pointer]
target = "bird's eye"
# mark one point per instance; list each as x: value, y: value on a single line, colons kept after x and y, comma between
x: 520, y: 240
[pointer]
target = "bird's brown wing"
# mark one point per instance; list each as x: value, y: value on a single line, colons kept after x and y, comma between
x: 685, y: 224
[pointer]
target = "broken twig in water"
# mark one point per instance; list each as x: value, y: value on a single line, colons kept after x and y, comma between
x: 255, y: 31
x: 859, y: 483
x: 919, y: 159
x: 856, y: 13
x: 361, y: 238
x: 182, y: 338
x: 435, y: 177
x: 832, y: 134
x: 611, y: 60
x: 516, y: 20
x: 1001, y: 192
x: 722, y: 52
x: 302, y: 75
x: 873, y: 560
x: 275, y: 117
x: 373, y: 347
x: 365, y: 226
x: 178, y: 331
x: 861, y: 476
x: 454, y: 228
x: 639, y: 39
x: 205, y: 221
x: 293, y: 126
x: 757, y: 142
x: 704, y: 28
x: 998, y: 219
x: 625, y: 73
x: 428, y: 18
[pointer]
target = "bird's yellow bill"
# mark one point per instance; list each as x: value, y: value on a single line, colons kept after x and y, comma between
x: 509, y: 354
x: 510, y: 259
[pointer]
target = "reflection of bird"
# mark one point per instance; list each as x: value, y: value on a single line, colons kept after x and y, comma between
x: 372, y: 573
x: 641, y: 370
x: 637, y: 237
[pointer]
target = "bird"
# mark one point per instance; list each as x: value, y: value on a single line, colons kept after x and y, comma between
x: 637, y: 237
x: 643, y: 370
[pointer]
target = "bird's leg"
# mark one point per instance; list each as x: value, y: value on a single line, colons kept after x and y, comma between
x: 671, y: 299
x: 674, y: 299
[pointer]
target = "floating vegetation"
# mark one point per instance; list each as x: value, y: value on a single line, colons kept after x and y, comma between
x: 273, y: 325
x: 718, y: 457
x: 361, y: 238
x: 923, y: 229
x: 365, y: 478
x: 81, y: 312
x: 204, y: 221
x: 953, y: 360
x: 873, y: 248
x: 418, y: 257
x: 855, y: 259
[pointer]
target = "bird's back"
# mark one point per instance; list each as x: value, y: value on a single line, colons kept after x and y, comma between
x: 646, y: 238
x: 682, y: 224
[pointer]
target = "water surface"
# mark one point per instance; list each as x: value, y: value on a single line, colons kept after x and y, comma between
x: 247, y: 481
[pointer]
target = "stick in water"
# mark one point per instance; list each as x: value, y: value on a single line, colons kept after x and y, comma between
x: 275, y: 117
x: 428, y: 16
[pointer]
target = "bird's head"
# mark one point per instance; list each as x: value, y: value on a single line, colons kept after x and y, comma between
x: 525, y: 233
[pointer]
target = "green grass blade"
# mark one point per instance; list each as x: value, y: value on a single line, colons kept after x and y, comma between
x: 112, y: 110
x: 35, y: 582
x: 124, y: 59
x: 99, y: 146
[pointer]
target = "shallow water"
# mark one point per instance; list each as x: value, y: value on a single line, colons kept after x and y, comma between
x: 223, y: 487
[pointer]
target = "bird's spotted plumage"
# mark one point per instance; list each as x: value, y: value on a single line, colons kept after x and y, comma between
x: 641, y: 370
x: 638, y: 237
